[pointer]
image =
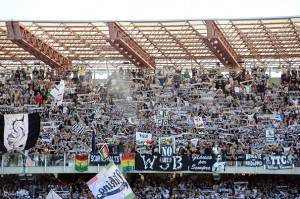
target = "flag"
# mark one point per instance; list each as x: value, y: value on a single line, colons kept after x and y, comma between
x: 53, y: 195
x: 104, y: 152
x: 148, y: 143
x: 77, y: 128
x: 81, y: 162
x: 128, y: 162
x: 110, y: 184
x: 58, y: 92
x: 19, y: 131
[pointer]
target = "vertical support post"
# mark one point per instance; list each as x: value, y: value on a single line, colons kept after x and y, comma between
x: 45, y: 165
x: 65, y: 162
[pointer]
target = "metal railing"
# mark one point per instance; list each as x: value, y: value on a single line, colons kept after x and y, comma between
x: 66, y: 162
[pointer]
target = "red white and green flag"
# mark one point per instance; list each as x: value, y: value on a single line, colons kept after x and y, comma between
x: 104, y: 152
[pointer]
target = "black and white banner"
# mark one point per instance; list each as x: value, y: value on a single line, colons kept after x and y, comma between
x: 163, y: 118
x: 253, y: 160
x: 19, y: 131
x: 147, y: 162
x: 204, y: 163
x: 277, y: 162
x: 96, y: 159
x: 166, y: 153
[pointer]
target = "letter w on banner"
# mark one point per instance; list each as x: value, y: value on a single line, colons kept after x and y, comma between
x: 110, y: 184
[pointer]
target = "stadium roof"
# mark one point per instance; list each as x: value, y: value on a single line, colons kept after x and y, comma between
x: 265, y: 42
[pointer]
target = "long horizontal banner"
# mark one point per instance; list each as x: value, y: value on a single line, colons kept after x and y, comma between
x: 147, y: 162
x: 194, y: 162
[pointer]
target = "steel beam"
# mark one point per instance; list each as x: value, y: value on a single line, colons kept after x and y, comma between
x: 154, y: 45
x: 129, y: 48
x: 219, y: 45
x: 25, y: 39
x: 188, y: 53
x: 247, y: 43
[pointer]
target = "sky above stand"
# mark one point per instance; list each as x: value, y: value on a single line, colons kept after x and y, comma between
x: 141, y: 10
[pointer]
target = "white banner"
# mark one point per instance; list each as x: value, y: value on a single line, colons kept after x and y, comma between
x: 198, y: 121
x: 110, y: 184
x: 141, y: 137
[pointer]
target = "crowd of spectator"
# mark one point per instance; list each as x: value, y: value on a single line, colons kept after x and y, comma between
x: 159, y: 186
x: 236, y: 109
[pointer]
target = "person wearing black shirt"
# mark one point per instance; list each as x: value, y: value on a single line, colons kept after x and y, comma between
x: 17, y: 75
x: 35, y: 73
x: 194, y: 72
x: 23, y: 74
x: 261, y: 89
x: 293, y: 79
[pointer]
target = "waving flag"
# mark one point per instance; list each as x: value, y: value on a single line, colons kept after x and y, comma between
x: 58, y: 92
x: 53, y: 195
x: 110, y: 184
x: 104, y: 152
x: 19, y: 131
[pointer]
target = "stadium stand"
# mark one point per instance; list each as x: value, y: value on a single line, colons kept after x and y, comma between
x: 176, y: 118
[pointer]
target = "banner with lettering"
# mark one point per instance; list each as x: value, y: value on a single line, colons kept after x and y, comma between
x: 253, y: 160
x: 110, y: 184
x: 141, y: 138
x: 153, y: 162
x: 278, y: 162
x: 96, y: 159
x: 201, y: 162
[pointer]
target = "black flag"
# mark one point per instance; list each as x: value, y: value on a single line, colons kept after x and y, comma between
x: 19, y: 131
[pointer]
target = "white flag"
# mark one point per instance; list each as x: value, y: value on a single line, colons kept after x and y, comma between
x: 58, y: 92
x: 53, y: 195
x: 198, y: 121
x: 110, y: 184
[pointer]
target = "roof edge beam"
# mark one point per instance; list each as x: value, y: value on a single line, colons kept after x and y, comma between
x: 219, y: 45
x: 25, y: 39
x: 129, y: 48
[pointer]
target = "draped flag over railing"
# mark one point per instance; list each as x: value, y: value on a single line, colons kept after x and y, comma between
x: 19, y: 131
x: 81, y: 162
x: 110, y: 184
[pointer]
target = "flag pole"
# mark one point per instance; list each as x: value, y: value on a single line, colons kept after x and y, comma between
x: 94, y: 140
